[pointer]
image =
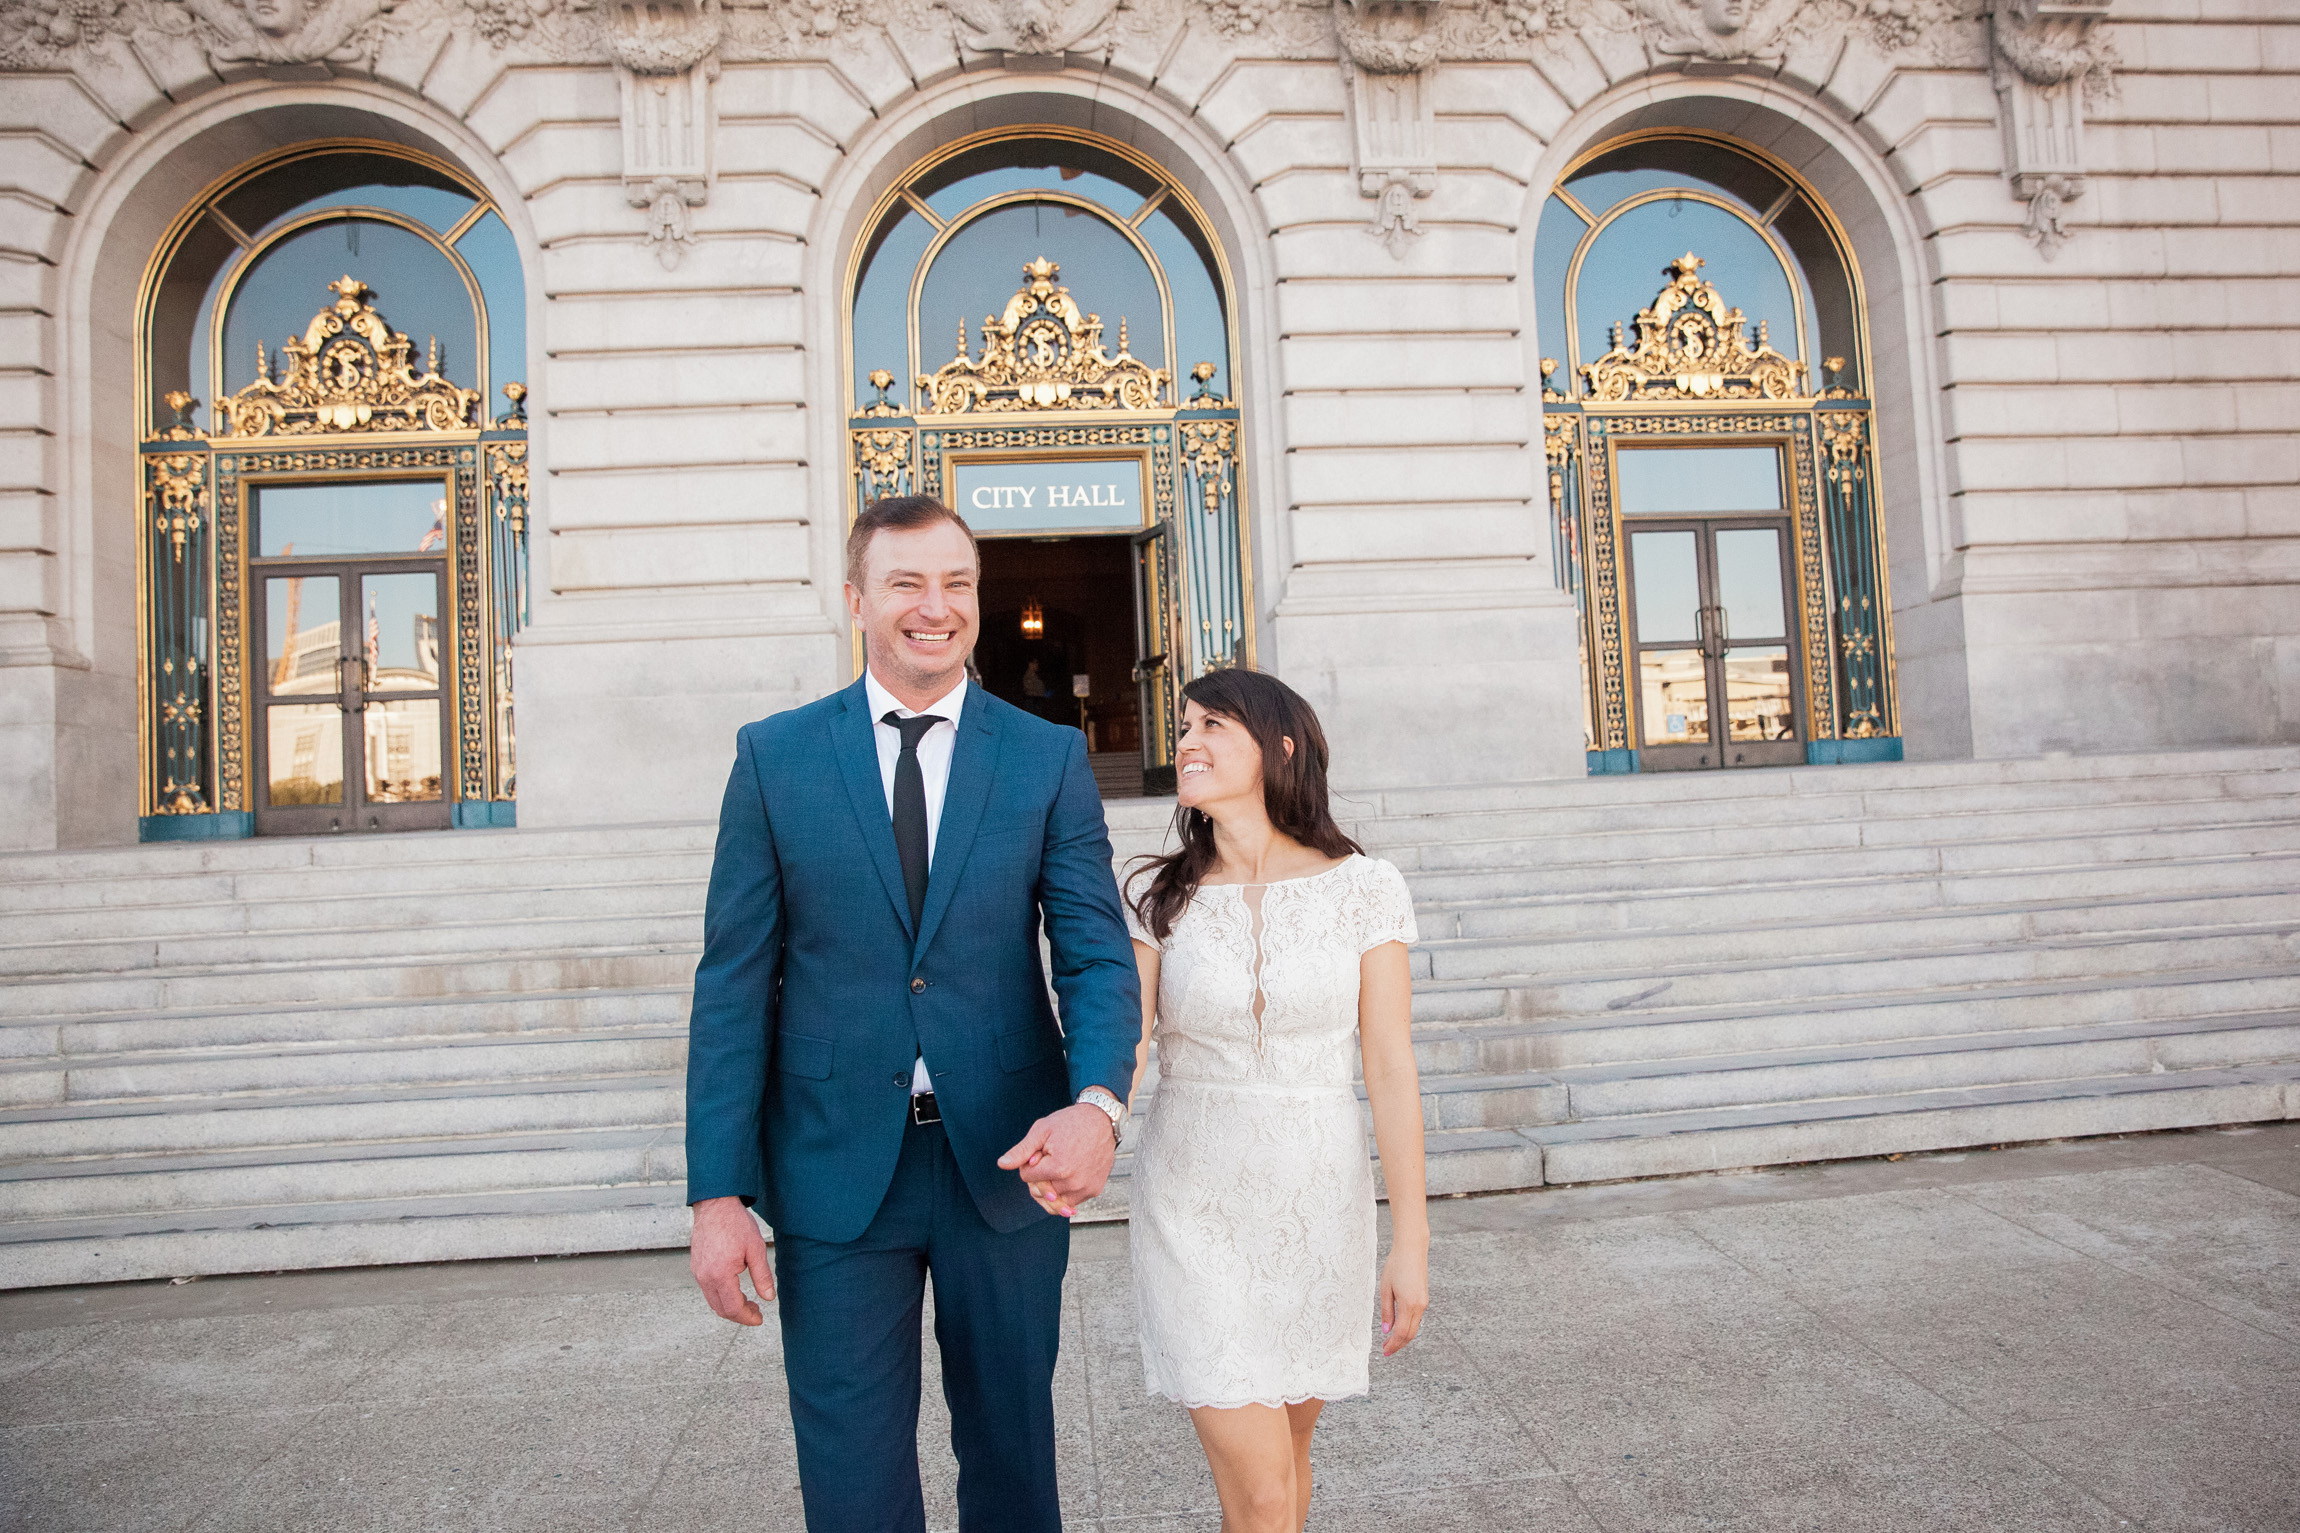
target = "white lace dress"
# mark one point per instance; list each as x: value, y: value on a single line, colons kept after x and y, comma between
x: 1252, y: 1228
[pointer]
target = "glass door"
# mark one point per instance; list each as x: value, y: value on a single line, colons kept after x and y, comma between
x: 352, y: 728
x: 1710, y: 648
x: 1711, y: 660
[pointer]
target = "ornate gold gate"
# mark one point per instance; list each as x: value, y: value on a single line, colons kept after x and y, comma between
x: 1043, y: 389
x: 1691, y: 376
x: 346, y: 405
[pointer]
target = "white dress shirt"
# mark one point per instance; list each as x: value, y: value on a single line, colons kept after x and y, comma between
x: 934, y: 752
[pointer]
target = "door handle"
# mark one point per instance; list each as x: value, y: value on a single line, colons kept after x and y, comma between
x: 352, y: 695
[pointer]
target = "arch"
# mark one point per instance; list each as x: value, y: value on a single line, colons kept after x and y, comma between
x: 1880, y: 223
x: 129, y: 206
x: 1105, y: 108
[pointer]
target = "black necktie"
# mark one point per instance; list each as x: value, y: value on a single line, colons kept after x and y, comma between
x: 910, y: 808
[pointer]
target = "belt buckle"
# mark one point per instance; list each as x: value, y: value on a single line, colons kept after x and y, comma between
x: 923, y: 1109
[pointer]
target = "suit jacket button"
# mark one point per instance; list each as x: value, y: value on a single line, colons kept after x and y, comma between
x: 901, y: 1079
x: 918, y: 987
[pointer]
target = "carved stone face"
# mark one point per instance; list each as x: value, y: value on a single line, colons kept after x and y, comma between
x: 277, y: 18
x: 1723, y: 17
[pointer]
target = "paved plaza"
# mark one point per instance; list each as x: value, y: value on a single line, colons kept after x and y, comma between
x: 2089, y: 1335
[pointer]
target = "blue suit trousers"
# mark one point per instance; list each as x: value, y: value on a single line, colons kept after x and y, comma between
x: 851, y: 1317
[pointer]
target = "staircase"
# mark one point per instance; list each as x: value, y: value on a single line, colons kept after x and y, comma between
x: 281, y: 1054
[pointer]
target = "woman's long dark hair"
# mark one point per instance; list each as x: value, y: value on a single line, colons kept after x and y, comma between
x: 1293, y: 791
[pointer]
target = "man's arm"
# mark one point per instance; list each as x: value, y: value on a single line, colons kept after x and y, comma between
x: 730, y: 1041
x: 1067, y: 1155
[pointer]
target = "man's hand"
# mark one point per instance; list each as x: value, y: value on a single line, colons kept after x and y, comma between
x: 725, y: 1244
x: 1065, y: 1158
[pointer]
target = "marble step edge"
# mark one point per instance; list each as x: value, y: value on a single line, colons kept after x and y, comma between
x: 476, y: 1001
x: 1853, y: 927
x: 530, y: 951
x: 650, y: 1217
x: 488, y: 870
x: 1497, y: 1012
x: 323, y: 1048
x: 2107, y: 943
x: 1725, y: 1140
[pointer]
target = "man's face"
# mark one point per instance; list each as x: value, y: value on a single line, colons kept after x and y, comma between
x: 277, y: 18
x: 917, y: 608
x: 1725, y: 17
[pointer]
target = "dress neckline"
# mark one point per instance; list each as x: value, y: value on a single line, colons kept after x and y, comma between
x: 1274, y: 883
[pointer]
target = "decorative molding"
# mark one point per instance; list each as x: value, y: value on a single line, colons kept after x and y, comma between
x: 1035, y: 28
x: 348, y: 371
x: 667, y: 63
x: 2046, y: 57
x: 1043, y: 353
x: 1389, y: 49
x: 1691, y: 346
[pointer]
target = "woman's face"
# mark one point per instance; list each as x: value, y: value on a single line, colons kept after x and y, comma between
x: 1215, y: 760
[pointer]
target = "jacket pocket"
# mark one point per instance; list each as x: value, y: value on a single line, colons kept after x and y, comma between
x: 1024, y: 1047
x: 797, y: 1054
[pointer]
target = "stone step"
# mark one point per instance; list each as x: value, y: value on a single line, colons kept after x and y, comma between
x: 1785, y: 980
x: 528, y: 1217
x: 186, y: 1074
x: 1969, y: 1060
x: 1754, y: 900
x: 1721, y: 1139
x: 32, y: 1191
x: 503, y: 1014
x: 371, y: 1113
x: 1761, y: 939
x: 58, y: 998
x: 1501, y: 1044
x: 1913, y: 816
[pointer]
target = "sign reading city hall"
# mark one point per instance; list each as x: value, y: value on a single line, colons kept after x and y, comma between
x: 1066, y: 495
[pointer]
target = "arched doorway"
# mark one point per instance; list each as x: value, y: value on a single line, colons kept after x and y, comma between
x: 332, y: 570
x: 1083, y: 423
x: 1712, y: 468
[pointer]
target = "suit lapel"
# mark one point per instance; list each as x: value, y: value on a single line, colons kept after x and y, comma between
x: 856, y: 743
x: 973, y: 761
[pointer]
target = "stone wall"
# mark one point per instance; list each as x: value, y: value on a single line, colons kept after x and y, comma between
x: 2085, y: 401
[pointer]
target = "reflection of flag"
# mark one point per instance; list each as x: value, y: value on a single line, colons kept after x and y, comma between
x: 374, y: 636
x: 437, y: 536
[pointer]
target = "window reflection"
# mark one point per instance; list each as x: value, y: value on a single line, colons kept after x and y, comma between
x: 402, y: 757
x: 303, y: 634
x: 406, y: 516
x: 1668, y: 584
x: 1690, y: 479
x: 1757, y: 694
x: 304, y: 753
x: 978, y: 270
x: 401, y: 634
x: 1675, y: 683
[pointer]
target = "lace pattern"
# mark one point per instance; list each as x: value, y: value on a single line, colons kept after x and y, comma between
x: 1252, y: 1230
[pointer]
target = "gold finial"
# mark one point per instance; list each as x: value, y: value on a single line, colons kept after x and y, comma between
x: 349, y: 291
x: 1685, y: 265
x: 1041, y: 270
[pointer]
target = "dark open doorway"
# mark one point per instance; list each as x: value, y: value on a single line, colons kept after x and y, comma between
x: 1077, y: 595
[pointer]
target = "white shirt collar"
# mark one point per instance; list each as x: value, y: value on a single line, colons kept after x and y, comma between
x: 882, y: 701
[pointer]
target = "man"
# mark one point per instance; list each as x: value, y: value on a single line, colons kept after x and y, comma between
x: 873, y: 1056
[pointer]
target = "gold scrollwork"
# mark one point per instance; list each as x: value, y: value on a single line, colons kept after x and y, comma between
x: 348, y: 371
x: 1691, y: 346
x: 1207, y: 446
x: 507, y: 474
x: 179, y: 491
x: 1043, y: 353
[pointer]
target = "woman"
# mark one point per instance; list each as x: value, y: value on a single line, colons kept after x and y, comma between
x: 1266, y: 943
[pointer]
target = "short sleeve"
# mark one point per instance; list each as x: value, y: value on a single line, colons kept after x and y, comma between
x: 1127, y: 893
x: 1387, y: 908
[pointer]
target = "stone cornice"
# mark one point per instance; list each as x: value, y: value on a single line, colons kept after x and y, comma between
x: 1751, y: 34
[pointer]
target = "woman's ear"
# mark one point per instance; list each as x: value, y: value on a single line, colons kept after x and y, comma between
x: 1288, y: 742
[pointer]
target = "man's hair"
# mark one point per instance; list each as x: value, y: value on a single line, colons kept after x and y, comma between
x: 899, y: 513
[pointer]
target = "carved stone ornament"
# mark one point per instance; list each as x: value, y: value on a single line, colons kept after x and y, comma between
x: 349, y: 371
x: 290, y: 31
x: 1043, y: 353
x: 1389, y: 48
x: 2045, y: 58
x: 1725, y: 30
x: 1691, y: 346
x: 667, y: 65
x: 1030, y: 27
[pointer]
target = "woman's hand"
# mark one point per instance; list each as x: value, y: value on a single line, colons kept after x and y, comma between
x: 1405, y: 1295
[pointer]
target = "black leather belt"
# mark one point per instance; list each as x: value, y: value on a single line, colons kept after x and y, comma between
x: 922, y: 1108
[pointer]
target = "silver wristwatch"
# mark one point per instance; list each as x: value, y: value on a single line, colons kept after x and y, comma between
x: 1095, y: 1096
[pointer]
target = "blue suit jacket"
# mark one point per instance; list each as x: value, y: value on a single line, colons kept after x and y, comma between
x: 814, y: 995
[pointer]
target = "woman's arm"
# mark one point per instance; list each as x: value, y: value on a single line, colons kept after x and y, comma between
x: 1146, y: 964
x: 1393, y: 1087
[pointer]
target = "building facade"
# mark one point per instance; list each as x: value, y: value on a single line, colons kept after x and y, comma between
x: 447, y: 413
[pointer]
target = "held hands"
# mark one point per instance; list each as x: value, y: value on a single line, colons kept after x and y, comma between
x: 1065, y: 1158
x: 725, y: 1245
x: 1405, y: 1295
